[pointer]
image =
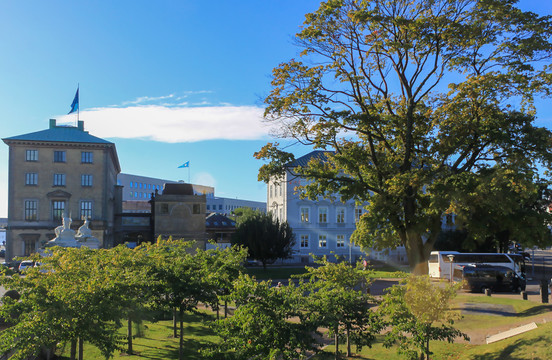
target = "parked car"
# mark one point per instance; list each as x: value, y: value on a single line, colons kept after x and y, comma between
x: 497, y: 278
x: 25, y: 264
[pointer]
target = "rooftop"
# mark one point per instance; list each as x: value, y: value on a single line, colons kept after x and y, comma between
x: 60, y: 133
x: 304, y: 160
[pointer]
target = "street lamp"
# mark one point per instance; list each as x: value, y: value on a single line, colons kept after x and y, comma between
x: 451, y: 259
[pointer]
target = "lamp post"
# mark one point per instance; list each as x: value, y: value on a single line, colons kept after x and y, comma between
x: 451, y: 259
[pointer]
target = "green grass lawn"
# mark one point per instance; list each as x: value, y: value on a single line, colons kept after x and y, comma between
x: 157, y: 341
x: 278, y: 273
x: 533, y: 345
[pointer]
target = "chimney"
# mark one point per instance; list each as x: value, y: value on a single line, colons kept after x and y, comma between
x: 52, y: 123
x: 80, y: 125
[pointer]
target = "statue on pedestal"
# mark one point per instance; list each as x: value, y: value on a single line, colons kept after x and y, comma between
x: 84, y: 237
x: 64, y: 235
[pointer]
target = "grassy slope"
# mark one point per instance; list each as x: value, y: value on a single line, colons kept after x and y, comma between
x: 157, y: 341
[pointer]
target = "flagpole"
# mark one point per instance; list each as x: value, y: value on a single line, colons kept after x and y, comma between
x: 78, y: 108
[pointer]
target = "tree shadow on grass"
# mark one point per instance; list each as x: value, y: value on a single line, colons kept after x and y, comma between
x: 536, y: 310
x: 506, y: 353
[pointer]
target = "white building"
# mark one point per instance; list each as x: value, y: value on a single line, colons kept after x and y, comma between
x: 321, y: 227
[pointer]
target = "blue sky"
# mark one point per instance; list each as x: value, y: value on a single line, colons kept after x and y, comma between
x: 167, y: 81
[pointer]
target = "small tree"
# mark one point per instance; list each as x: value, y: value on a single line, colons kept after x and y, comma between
x: 73, y: 296
x: 419, y: 311
x: 178, y: 279
x: 339, y: 302
x: 262, y: 325
x: 265, y: 237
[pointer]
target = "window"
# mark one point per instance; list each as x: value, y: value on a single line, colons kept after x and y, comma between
x: 59, y: 156
x: 164, y: 209
x: 220, y: 207
x: 58, y: 207
x: 87, y: 157
x: 59, y: 179
x: 196, y: 209
x: 340, y: 217
x: 86, y: 209
x: 270, y: 191
x: 31, y: 155
x: 31, y: 179
x: 281, y: 215
x: 31, y: 210
x: 280, y: 189
x: 304, y: 214
x: 86, y: 180
x: 322, y: 241
x: 304, y: 241
x: 358, y: 214
x: 340, y: 241
x: 323, y: 215
x: 30, y: 246
x: 131, y: 184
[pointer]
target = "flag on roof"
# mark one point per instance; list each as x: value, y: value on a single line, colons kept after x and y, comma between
x: 75, y: 103
x: 185, y: 165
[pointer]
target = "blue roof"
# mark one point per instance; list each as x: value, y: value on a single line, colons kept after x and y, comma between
x: 60, y: 134
x: 304, y: 160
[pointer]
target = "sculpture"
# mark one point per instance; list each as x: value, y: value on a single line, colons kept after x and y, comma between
x: 64, y: 235
x: 84, y: 236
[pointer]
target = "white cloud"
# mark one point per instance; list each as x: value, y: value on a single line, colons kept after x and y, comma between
x: 174, y: 124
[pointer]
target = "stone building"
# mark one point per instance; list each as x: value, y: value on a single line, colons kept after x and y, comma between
x: 61, y: 170
x: 179, y: 213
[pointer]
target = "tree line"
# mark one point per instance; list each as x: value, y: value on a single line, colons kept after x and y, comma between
x: 82, y: 295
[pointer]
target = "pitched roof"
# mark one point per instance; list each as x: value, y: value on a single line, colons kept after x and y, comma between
x: 60, y: 134
x: 304, y: 160
x: 219, y: 221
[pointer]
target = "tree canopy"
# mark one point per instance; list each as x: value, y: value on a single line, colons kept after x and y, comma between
x: 409, y: 98
x: 266, y: 238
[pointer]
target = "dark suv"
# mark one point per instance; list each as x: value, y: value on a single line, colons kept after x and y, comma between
x: 496, y: 278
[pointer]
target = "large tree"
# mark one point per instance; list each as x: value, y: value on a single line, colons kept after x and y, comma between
x: 408, y: 97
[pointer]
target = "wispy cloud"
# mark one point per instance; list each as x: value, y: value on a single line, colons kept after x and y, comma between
x: 173, y: 123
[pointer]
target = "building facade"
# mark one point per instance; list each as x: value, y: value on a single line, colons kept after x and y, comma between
x: 141, y: 188
x: 61, y: 170
x: 323, y: 226
x: 179, y: 213
x: 227, y: 205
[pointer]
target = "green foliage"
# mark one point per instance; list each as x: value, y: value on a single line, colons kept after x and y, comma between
x: 265, y: 238
x: 523, y: 212
x: 410, y: 97
x: 269, y: 323
x: 244, y: 213
x: 338, y: 301
x: 74, y: 294
x: 419, y: 311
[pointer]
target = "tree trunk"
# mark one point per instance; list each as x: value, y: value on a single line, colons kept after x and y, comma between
x: 336, y: 340
x: 73, y: 353
x: 348, y: 343
x: 181, y: 347
x: 225, y: 308
x: 175, y: 334
x: 129, y: 336
x: 81, y: 349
